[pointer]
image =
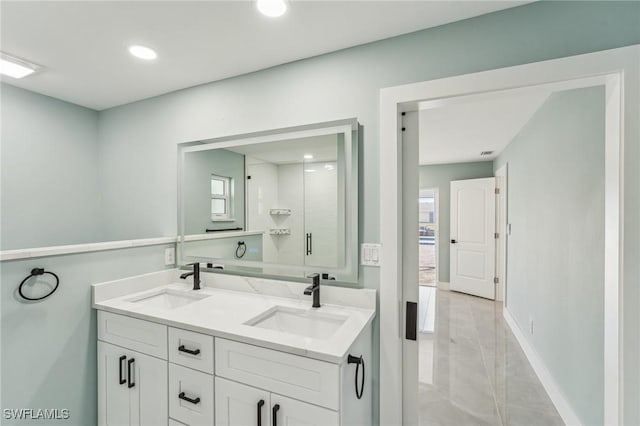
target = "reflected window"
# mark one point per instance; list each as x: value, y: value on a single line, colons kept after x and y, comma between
x: 220, y: 198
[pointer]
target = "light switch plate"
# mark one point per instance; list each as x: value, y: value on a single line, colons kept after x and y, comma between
x: 170, y: 256
x: 370, y: 254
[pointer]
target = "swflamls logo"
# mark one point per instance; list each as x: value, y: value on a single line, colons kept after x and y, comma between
x: 35, y: 413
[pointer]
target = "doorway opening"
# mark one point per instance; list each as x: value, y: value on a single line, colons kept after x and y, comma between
x: 428, y: 238
x: 398, y: 171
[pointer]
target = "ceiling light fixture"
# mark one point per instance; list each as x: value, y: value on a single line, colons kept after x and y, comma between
x: 143, y: 52
x: 308, y: 157
x: 16, y: 67
x: 272, y: 8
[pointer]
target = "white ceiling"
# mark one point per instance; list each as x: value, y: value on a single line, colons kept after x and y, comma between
x: 323, y: 148
x: 82, y: 45
x: 457, y: 132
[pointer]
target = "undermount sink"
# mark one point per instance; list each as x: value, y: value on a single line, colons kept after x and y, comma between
x: 301, y: 322
x: 168, y: 299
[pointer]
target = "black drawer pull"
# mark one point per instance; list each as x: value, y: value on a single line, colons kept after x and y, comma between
x: 260, y: 404
x: 182, y: 396
x: 181, y: 348
x: 274, y: 414
x: 129, y: 368
x: 121, y: 379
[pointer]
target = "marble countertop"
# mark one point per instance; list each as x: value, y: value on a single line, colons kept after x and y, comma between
x: 233, y: 301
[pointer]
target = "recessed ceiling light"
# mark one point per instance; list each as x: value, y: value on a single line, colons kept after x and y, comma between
x: 143, y: 52
x: 328, y: 166
x: 272, y: 8
x: 16, y: 67
x: 309, y: 170
x: 308, y: 157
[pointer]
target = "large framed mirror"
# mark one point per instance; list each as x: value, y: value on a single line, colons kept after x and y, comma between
x: 277, y: 203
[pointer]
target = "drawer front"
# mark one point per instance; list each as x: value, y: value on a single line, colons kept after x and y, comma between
x: 193, y: 350
x: 291, y: 375
x: 184, y: 385
x: 139, y: 335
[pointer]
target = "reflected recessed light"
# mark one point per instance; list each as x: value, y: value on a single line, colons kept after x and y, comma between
x: 308, y: 157
x: 272, y: 8
x: 328, y: 166
x: 143, y: 52
x: 309, y: 170
x: 16, y: 67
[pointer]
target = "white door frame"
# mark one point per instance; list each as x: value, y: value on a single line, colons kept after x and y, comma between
x: 618, y: 70
x: 501, y: 175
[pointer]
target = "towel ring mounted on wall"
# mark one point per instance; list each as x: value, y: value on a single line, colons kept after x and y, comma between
x: 34, y: 273
x: 359, y: 360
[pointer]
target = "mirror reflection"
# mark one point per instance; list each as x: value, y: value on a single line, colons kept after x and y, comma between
x: 280, y: 202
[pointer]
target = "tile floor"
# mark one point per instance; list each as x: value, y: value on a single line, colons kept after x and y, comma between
x: 472, y: 370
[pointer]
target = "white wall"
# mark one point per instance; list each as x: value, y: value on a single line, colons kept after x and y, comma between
x: 262, y: 195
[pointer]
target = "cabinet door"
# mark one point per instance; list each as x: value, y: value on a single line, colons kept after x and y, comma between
x: 113, y: 396
x: 241, y: 405
x: 148, y: 391
x: 132, y: 388
x: 289, y: 412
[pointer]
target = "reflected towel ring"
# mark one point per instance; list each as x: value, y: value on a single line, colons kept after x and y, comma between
x: 241, y: 249
x: 34, y: 273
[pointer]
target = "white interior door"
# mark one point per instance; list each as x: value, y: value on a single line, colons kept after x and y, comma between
x: 473, y: 249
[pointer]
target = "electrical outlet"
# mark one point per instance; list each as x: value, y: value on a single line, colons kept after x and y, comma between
x: 170, y: 256
x: 531, y: 326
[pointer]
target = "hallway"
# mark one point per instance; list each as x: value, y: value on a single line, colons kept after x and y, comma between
x: 472, y: 369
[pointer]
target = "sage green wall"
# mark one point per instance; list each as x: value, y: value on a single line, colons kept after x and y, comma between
x: 439, y: 177
x: 49, y: 178
x: 137, y: 161
x: 49, y: 347
x: 198, y: 168
x: 555, y: 272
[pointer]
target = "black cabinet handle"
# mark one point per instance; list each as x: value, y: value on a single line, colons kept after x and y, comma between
x: 121, y: 379
x: 274, y: 414
x: 454, y: 242
x: 260, y: 404
x: 182, y: 396
x: 308, y: 244
x: 129, y: 368
x: 181, y: 348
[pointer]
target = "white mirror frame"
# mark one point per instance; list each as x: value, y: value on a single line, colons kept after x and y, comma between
x: 346, y: 273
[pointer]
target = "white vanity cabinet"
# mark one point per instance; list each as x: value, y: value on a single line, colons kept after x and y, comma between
x: 132, y: 386
x: 238, y: 404
x: 151, y: 374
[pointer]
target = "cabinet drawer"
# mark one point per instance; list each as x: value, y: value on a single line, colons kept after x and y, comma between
x: 291, y: 375
x: 142, y: 336
x: 193, y: 350
x: 184, y: 385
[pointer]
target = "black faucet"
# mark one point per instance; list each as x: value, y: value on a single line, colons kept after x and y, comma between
x: 196, y: 275
x: 314, y: 289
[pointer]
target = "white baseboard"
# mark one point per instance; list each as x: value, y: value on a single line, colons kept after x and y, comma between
x: 442, y: 285
x: 562, y: 405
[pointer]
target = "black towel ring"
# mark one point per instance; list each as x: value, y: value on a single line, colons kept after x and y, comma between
x: 359, y: 360
x: 34, y: 273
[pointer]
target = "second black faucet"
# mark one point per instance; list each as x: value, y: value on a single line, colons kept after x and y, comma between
x: 314, y: 289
